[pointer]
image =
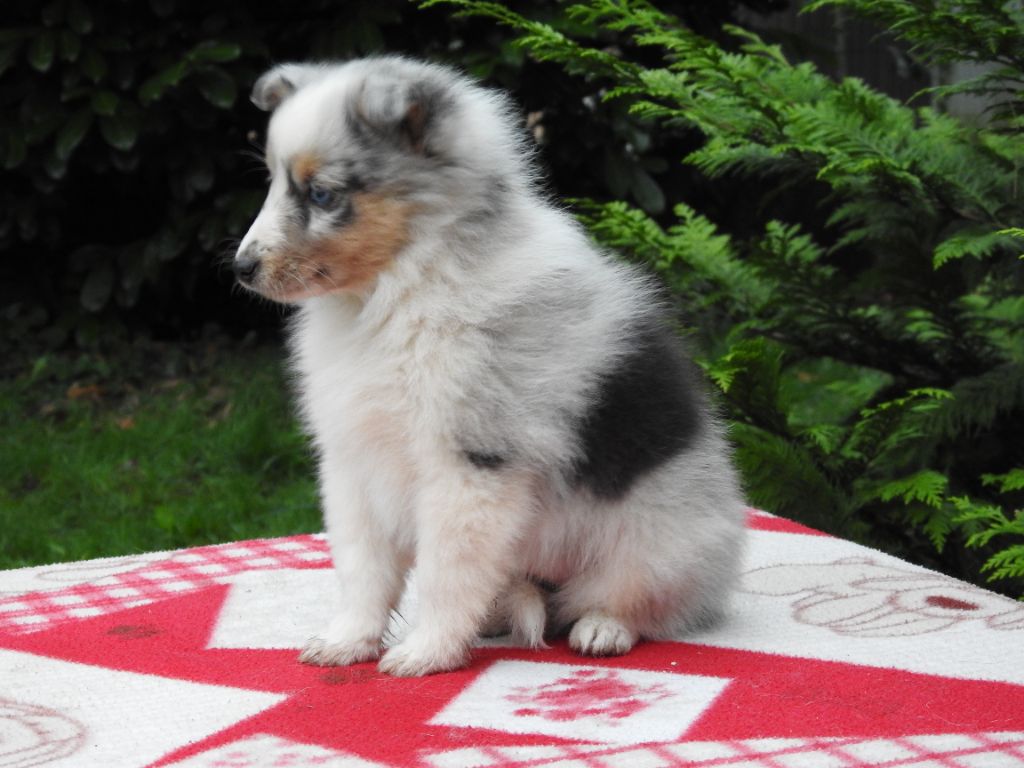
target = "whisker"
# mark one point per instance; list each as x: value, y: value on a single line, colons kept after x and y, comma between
x: 255, y: 154
x: 319, y: 270
x: 298, y: 277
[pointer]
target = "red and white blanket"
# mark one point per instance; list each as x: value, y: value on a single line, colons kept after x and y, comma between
x: 834, y: 656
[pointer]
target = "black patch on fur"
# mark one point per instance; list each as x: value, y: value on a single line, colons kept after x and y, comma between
x: 548, y: 587
x: 354, y: 183
x: 342, y: 213
x: 647, y: 410
x: 482, y: 460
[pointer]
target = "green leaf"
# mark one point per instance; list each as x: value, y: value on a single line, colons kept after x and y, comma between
x: 827, y: 438
x: 94, y: 65
x: 166, y: 246
x: 1006, y: 564
x: 104, y: 103
x: 70, y: 45
x: 782, y: 476
x: 616, y: 173
x: 42, y: 50
x: 935, y: 522
x: 217, y: 87
x: 215, y: 52
x: 79, y: 17
x: 55, y: 167
x: 52, y: 13
x: 15, y: 154
x: 8, y: 55
x: 71, y: 135
x: 978, y: 241
x: 153, y: 88
x: 200, y: 175
x: 748, y: 374
x: 1011, y: 481
x: 926, y: 486
x: 646, y: 191
x: 42, y: 124
x: 120, y: 131
x: 98, y: 287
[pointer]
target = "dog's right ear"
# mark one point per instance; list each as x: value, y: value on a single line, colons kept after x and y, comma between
x: 277, y: 84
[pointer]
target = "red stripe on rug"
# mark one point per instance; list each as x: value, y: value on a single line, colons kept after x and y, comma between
x: 761, y: 521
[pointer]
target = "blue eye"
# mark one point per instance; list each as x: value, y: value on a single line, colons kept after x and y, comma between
x: 320, y: 196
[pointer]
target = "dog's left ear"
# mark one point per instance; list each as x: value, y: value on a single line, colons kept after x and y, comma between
x: 277, y: 84
x: 401, y: 110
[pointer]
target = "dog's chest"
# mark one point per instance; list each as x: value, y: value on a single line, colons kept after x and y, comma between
x: 397, y: 391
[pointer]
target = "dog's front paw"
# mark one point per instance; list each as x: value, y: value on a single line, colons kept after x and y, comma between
x: 414, y: 657
x: 598, y: 635
x: 324, y: 653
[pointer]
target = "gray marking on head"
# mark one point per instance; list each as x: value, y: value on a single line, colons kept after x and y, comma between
x: 399, y: 108
x: 299, y: 211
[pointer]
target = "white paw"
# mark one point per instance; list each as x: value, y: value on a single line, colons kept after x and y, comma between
x: 324, y: 653
x: 598, y: 635
x: 415, y: 657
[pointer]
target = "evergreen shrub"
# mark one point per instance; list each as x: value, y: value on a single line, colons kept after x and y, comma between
x: 869, y: 350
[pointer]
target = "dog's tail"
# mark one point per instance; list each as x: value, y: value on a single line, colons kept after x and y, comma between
x: 526, y: 610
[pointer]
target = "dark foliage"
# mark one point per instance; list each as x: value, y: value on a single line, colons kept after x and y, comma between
x: 131, y: 153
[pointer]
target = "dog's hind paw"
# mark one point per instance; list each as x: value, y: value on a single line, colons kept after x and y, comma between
x: 322, y: 653
x: 598, y: 635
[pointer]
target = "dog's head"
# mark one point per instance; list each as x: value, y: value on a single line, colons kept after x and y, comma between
x: 360, y: 155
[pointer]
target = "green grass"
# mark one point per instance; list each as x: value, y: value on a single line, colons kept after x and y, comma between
x: 98, y: 457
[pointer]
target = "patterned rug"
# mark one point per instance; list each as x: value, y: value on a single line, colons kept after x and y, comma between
x: 834, y: 656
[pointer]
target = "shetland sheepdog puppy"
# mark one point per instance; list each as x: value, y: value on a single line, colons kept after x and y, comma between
x: 492, y: 399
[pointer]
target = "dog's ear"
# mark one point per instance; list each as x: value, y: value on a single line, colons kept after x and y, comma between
x: 277, y: 84
x: 402, y: 110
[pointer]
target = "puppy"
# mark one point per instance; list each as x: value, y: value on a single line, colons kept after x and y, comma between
x: 492, y: 399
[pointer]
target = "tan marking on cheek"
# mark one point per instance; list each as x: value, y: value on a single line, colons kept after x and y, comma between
x: 305, y: 166
x: 353, y: 257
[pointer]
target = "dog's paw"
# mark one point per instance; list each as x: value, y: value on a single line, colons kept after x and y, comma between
x: 598, y: 635
x: 415, y: 658
x: 324, y: 653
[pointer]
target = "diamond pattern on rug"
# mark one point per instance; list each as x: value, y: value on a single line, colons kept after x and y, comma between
x: 266, y: 751
x: 184, y: 571
x: 954, y: 750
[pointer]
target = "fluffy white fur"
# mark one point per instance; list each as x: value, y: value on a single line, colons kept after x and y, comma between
x: 487, y: 333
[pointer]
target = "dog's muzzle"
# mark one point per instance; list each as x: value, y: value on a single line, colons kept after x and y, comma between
x: 246, y: 265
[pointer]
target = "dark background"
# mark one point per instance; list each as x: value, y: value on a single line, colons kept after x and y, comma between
x: 130, y: 151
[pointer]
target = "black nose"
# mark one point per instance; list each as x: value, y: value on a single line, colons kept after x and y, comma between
x: 246, y: 266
